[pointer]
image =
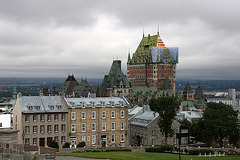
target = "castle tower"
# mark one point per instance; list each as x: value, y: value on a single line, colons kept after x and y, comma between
x: 187, y: 92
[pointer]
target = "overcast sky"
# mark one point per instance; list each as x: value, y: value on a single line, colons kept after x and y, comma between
x: 54, y: 38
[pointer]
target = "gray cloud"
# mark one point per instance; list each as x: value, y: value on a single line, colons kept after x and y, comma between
x: 53, y: 38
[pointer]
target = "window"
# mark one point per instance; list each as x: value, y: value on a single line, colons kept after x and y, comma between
x: 153, y: 132
x: 103, y: 114
x: 122, y: 125
x: 37, y: 107
x: 27, y: 141
x: 83, y: 115
x: 93, y: 139
x: 63, y: 127
x: 27, y: 129
x: 49, y: 117
x: 59, y: 107
x: 42, y: 118
x: 153, y: 142
x: 73, y: 115
x: 113, y: 137
x: 122, y: 137
x: 122, y: 114
x: 1, y: 125
x: 49, y: 128
x: 34, y: 129
x: 51, y: 107
x: 63, y: 139
x: 73, y: 128
x: 83, y: 127
x: 113, y: 125
x: 56, y: 128
x: 112, y: 114
x: 83, y: 138
x: 30, y: 107
x: 104, y: 126
x: 42, y: 129
x: 63, y: 117
x: 34, y: 141
x: 56, y: 139
x: 55, y: 117
x: 93, y: 126
x: 27, y: 118
x: 93, y: 114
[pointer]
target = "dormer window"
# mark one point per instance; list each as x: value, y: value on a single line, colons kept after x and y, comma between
x: 51, y: 107
x: 30, y: 108
x: 93, y: 104
x: 83, y: 104
x: 37, y: 108
x: 103, y: 103
x: 59, y: 107
x: 112, y: 103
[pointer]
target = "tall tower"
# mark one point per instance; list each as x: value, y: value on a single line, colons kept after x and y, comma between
x: 152, y: 64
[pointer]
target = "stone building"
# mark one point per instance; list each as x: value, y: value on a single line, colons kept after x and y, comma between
x: 40, y: 120
x: 98, y: 121
x: 144, y: 129
x: 153, y: 64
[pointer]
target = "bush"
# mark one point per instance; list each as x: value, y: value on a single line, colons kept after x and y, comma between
x: 66, y: 145
x: 202, y: 151
x: 96, y: 150
x: 162, y: 148
x: 81, y: 144
x: 54, y: 144
x: 118, y: 149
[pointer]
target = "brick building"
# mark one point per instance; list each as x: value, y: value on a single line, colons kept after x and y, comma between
x: 98, y: 121
x: 153, y: 64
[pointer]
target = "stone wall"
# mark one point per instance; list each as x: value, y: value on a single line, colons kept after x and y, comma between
x: 21, y: 152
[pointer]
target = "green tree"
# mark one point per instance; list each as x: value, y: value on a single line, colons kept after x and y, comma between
x: 166, y: 107
x: 219, y: 123
x: 193, y: 126
x: 54, y: 144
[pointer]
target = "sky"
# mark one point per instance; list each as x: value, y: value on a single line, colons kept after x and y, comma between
x: 55, y: 38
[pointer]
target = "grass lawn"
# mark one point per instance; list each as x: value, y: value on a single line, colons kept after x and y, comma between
x: 143, y: 156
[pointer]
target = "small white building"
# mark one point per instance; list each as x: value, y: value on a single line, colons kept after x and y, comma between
x: 5, y: 121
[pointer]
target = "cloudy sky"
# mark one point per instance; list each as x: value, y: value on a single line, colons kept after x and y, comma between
x: 54, y: 38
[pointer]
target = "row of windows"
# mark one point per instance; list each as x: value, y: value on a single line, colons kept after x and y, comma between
x: 42, y: 129
x: 122, y: 138
x: 42, y: 117
x: 34, y: 140
x: 94, y: 126
x: 93, y: 115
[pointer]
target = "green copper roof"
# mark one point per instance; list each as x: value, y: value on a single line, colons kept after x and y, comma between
x: 82, y: 89
x: 198, y: 93
x: 129, y: 58
x: 115, y: 76
x: 167, y: 84
x: 187, y: 88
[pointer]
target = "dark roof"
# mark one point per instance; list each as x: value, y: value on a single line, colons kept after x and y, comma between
x: 187, y: 88
x: 68, y: 85
x: 167, y: 84
x: 82, y: 89
x: 115, y: 76
x: 198, y: 93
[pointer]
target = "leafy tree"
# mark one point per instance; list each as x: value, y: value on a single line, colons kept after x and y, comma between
x: 219, y: 123
x: 81, y: 144
x: 54, y: 144
x: 166, y: 107
x: 66, y: 145
x: 193, y: 126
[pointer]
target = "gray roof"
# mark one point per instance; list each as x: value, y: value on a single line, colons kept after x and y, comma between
x: 97, y: 102
x: 41, y: 104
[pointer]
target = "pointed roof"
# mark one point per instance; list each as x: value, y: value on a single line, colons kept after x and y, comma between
x: 198, y: 93
x: 200, y: 101
x: 129, y: 58
x: 167, y: 84
x: 68, y: 85
x: 82, y: 89
x: 115, y: 76
x: 188, y: 88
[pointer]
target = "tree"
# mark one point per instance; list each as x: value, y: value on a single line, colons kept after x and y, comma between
x: 219, y: 123
x: 81, y: 144
x: 193, y: 126
x: 54, y: 144
x: 166, y: 107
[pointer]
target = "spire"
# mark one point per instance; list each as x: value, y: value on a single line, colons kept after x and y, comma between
x: 158, y: 31
x: 129, y: 58
x: 14, y: 93
x: 143, y: 31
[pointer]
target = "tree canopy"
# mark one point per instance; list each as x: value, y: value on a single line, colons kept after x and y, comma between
x: 166, y: 107
x: 219, y: 123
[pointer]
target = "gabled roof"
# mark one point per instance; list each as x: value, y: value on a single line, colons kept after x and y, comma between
x: 68, y: 85
x: 164, y: 54
x: 187, y: 88
x: 115, y: 76
x: 82, y: 89
x: 41, y: 104
x: 167, y: 84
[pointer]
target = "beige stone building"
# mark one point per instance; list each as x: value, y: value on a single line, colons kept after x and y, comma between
x: 40, y: 120
x: 99, y: 121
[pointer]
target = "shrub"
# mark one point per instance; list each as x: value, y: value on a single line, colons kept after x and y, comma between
x: 81, y: 144
x: 202, y: 151
x: 162, y: 148
x: 96, y: 150
x: 54, y: 144
x: 66, y: 145
x: 118, y: 149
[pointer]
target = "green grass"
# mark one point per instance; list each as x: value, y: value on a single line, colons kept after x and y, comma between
x: 144, y: 156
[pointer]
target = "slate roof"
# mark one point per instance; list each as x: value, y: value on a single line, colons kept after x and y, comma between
x: 68, y: 85
x: 198, y: 93
x: 187, y: 88
x: 42, y: 104
x: 97, y: 102
x: 164, y: 54
x: 115, y: 76
x: 82, y: 89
